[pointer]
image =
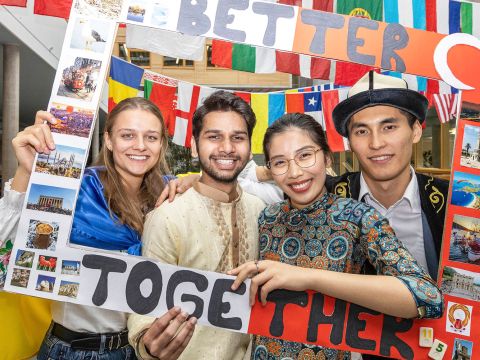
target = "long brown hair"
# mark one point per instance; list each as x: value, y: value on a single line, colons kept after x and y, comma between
x: 131, y: 212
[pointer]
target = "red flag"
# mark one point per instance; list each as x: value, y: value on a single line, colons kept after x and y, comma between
x: 20, y: 3
x: 288, y: 62
x: 246, y: 96
x: 433, y: 87
x: 348, y: 74
x: 222, y: 53
x: 57, y: 8
x: 431, y: 12
x: 330, y: 99
x: 323, y: 5
x: 446, y: 106
x: 164, y: 96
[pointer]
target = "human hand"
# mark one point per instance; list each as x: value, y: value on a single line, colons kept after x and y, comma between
x: 176, y: 186
x: 161, y: 339
x: 34, y: 139
x: 270, y: 275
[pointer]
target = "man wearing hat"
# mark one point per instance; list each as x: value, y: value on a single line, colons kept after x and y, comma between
x: 382, y: 119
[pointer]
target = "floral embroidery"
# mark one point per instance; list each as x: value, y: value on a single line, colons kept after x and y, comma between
x: 5, y: 253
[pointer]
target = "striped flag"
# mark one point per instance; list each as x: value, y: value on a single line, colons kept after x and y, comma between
x: 243, y: 57
x: 470, y: 18
x: 264, y: 60
x: 302, y: 65
x: 409, y: 13
x: 450, y: 16
x: 417, y: 83
x: 189, y: 98
x: 123, y: 82
x: 267, y: 107
x: 306, y: 103
x: 330, y: 99
x: 446, y: 106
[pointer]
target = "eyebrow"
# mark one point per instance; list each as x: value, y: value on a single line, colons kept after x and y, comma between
x: 296, y: 151
x: 390, y: 120
x: 217, y: 131
x: 148, y: 131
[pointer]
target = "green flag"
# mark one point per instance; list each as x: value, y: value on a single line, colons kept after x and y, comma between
x: 369, y: 9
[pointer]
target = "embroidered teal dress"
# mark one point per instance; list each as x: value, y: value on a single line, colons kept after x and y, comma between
x: 337, y: 234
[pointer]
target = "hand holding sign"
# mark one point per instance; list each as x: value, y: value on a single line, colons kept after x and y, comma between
x: 269, y: 275
x: 169, y: 335
x: 33, y: 139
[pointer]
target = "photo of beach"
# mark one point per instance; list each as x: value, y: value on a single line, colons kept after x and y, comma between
x: 471, y: 147
x: 466, y: 190
x: 465, y: 240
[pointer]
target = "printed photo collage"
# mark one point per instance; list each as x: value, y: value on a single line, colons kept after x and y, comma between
x: 160, y: 14
x: 459, y: 277
x: 37, y: 263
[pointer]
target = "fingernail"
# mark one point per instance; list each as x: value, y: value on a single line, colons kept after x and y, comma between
x: 176, y: 308
x: 193, y: 320
x: 185, y: 314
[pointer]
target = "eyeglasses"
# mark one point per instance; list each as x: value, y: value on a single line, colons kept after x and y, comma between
x: 304, y: 159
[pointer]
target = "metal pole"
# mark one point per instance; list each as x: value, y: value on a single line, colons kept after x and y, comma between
x: 11, y: 107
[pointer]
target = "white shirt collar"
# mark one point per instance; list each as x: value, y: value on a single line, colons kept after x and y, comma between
x: 411, y: 193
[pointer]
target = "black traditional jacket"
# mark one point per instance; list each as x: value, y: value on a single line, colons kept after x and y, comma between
x: 433, y: 197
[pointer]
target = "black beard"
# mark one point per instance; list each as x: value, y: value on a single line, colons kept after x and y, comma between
x: 206, y: 168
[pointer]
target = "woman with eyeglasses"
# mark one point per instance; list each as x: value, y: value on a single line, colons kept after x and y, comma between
x: 319, y: 241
